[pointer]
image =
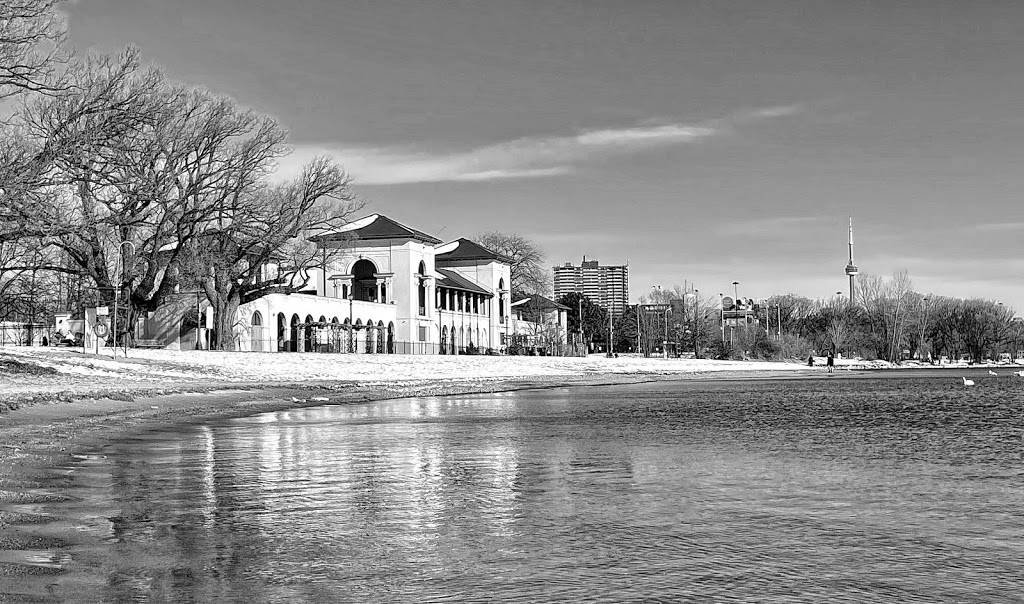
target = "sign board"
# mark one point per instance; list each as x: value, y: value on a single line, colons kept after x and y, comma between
x: 102, y: 311
x: 727, y: 303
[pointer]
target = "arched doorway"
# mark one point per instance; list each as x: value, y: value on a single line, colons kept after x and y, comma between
x: 293, y: 341
x: 257, y: 332
x: 282, y: 332
x: 380, y: 337
x: 187, y: 338
x: 451, y: 340
x: 370, y: 336
x: 444, y: 339
x: 307, y: 335
x: 391, y: 338
x: 355, y: 334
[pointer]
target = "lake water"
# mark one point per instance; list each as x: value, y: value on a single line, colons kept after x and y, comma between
x: 867, y: 489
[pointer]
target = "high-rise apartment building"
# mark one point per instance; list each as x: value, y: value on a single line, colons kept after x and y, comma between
x: 607, y: 286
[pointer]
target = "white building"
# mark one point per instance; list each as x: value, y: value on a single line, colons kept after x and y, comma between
x: 383, y: 288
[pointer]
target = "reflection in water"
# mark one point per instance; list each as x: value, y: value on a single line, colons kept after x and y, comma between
x: 863, y: 490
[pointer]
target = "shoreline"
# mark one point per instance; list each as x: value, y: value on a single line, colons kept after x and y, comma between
x: 43, y: 425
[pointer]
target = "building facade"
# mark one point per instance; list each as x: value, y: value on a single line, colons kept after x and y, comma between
x: 383, y: 287
x: 607, y: 286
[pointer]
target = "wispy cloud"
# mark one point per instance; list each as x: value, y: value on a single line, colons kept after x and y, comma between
x: 529, y: 157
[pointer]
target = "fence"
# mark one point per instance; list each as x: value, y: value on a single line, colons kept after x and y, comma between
x: 21, y: 334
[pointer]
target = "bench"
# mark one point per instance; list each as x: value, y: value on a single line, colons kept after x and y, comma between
x: 148, y: 344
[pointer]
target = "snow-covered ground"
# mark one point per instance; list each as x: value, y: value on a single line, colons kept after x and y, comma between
x: 190, y: 366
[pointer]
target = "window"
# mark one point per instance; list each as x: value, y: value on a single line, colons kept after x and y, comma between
x: 423, y: 333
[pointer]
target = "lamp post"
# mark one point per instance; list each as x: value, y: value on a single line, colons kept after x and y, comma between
x: 117, y: 291
x: 721, y: 309
x: 197, y: 317
x: 736, y: 301
x: 924, y: 325
x: 579, y: 328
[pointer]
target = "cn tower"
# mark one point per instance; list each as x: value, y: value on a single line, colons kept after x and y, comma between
x: 851, y: 268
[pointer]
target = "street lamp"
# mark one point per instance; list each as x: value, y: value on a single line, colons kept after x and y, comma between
x: 924, y: 325
x: 721, y: 310
x: 735, y: 291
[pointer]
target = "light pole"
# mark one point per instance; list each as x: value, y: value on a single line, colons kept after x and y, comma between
x: 721, y: 309
x: 736, y: 301
x: 117, y: 290
x: 696, y: 311
x: 579, y: 328
x: 924, y: 325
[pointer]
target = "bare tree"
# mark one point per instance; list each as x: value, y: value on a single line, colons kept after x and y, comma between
x: 887, y: 310
x: 124, y: 156
x: 263, y: 225
x: 526, y: 259
x: 31, y: 35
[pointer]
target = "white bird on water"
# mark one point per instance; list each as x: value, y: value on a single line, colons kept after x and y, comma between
x: 990, y: 372
x: 967, y: 382
x: 1019, y: 373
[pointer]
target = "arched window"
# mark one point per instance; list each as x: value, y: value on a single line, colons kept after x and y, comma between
x: 421, y: 289
x: 391, y: 338
x: 444, y: 339
x: 369, y: 337
x: 364, y: 284
x: 380, y: 337
x: 501, y: 299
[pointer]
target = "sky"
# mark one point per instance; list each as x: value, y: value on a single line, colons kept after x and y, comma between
x: 701, y: 142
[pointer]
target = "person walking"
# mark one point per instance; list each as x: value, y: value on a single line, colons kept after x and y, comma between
x: 810, y: 360
x: 830, y: 362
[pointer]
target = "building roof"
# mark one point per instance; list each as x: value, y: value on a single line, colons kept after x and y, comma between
x: 541, y: 302
x: 378, y: 226
x: 453, y: 280
x: 464, y: 249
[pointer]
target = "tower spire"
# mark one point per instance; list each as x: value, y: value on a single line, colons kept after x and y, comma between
x: 851, y: 268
